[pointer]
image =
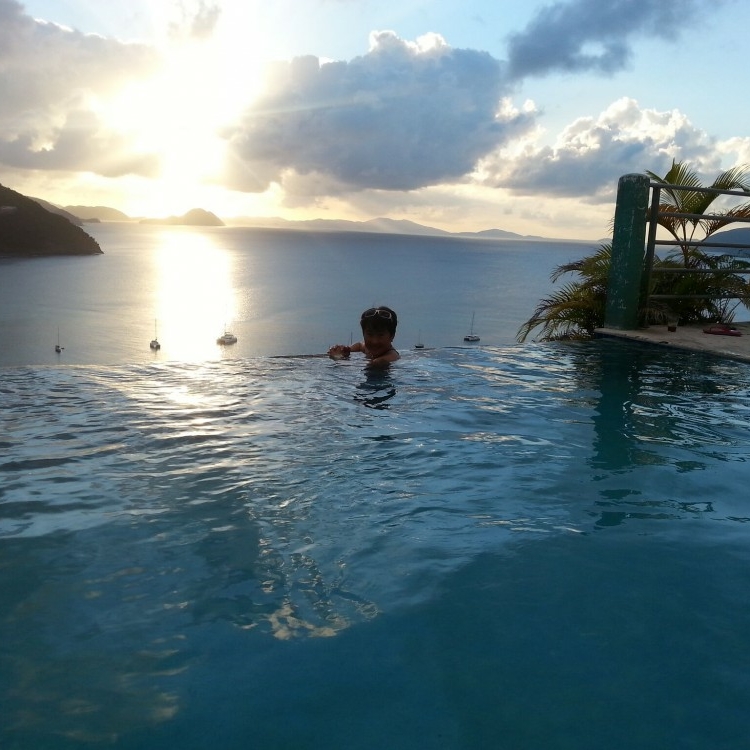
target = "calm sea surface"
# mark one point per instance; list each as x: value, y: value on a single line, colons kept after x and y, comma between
x: 533, y: 547
x: 280, y: 292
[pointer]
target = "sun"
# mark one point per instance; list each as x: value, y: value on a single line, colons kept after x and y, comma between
x: 179, y: 113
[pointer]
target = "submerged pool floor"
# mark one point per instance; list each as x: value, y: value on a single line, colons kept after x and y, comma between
x: 527, y: 547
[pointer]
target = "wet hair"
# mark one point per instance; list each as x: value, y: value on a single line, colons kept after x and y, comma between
x: 379, y: 319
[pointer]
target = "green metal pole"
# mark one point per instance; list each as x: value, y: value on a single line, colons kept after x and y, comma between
x: 628, y: 245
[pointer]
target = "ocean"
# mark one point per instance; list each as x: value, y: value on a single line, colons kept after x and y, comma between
x: 281, y: 292
x: 531, y: 547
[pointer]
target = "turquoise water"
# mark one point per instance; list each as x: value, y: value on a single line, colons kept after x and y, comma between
x: 540, y: 546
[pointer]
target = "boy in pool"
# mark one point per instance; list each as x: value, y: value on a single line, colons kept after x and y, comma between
x: 378, y: 330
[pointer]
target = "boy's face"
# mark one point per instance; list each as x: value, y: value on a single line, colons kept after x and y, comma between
x: 377, y: 340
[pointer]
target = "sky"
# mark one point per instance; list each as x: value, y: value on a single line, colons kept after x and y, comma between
x: 463, y: 115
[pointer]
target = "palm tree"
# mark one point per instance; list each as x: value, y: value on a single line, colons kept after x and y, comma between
x: 704, y: 296
x: 712, y: 295
x: 696, y: 203
x: 578, y: 307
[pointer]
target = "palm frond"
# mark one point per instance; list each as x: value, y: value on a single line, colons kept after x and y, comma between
x: 719, y: 221
x: 578, y: 307
x: 736, y: 178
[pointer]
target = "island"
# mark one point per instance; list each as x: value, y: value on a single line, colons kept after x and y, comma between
x: 199, y: 217
x: 28, y: 230
x: 196, y: 217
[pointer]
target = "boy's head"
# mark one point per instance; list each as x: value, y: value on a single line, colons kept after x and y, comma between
x: 379, y: 320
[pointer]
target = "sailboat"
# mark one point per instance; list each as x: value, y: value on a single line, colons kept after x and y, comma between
x: 419, y: 344
x: 58, y: 348
x: 155, y: 341
x: 471, y: 336
x: 226, y: 338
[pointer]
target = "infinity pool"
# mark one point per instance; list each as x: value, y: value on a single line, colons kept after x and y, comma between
x: 533, y: 547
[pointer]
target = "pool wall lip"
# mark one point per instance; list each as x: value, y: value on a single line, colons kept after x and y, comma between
x: 691, y: 338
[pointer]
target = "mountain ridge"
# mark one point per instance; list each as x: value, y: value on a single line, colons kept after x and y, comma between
x: 382, y: 225
x: 740, y: 236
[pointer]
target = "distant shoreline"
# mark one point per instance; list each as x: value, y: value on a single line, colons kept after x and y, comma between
x: 362, y: 228
x: 381, y: 225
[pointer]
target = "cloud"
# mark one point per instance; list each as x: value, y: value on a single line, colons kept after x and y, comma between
x: 592, y: 35
x: 593, y: 153
x: 403, y: 116
x: 79, y: 141
x: 736, y: 150
x: 50, y: 77
x: 197, y: 19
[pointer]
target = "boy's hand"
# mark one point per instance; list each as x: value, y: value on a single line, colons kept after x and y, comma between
x: 339, y: 351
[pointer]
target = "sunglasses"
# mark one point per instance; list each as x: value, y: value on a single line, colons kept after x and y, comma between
x: 377, y: 312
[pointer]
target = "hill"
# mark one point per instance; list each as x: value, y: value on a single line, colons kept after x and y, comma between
x: 384, y: 225
x: 739, y: 236
x: 28, y: 229
x: 97, y: 213
x: 53, y: 209
x: 201, y: 217
x: 196, y: 217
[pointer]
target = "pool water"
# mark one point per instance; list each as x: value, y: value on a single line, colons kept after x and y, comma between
x: 517, y: 547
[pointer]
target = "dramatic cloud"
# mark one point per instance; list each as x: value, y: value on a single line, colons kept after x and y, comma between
x: 424, y: 128
x: 403, y: 116
x: 593, y: 153
x: 46, y: 74
x: 592, y: 35
x: 81, y: 140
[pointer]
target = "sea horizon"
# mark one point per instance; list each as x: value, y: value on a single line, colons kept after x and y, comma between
x: 377, y: 225
x: 281, y: 291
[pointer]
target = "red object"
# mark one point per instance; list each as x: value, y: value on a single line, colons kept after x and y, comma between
x: 722, y: 330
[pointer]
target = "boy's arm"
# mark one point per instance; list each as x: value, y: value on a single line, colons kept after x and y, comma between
x: 339, y: 350
x: 384, y: 359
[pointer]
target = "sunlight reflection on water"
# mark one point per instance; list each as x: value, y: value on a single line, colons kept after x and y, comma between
x: 195, y: 296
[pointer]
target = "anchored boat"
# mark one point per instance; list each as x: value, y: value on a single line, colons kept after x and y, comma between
x: 471, y: 336
x: 155, y: 341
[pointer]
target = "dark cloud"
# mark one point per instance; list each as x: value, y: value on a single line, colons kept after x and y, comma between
x: 401, y: 117
x: 48, y: 72
x: 593, y: 35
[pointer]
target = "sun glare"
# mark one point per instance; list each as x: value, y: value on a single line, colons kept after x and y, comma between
x: 179, y: 113
x: 195, y: 296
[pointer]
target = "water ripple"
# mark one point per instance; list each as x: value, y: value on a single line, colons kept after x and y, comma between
x: 307, y: 491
